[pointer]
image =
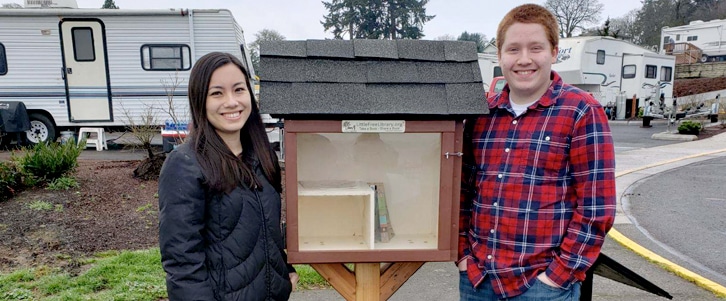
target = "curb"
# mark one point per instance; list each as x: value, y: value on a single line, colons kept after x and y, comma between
x: 684, y: 273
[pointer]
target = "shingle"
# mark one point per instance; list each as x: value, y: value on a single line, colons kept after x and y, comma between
x: 407, y: 98
x: 476, y: 70
x: 466, y: 99
x: 375, y: 48
x: 312, y: 98
x: 392, y: 72
x: 421, y: 50
x: 341, y: 71
x: 283, y: 48
x: 283, y: 69
x: 460, y: 51
x: 445, y: 72
x: 330, y: 48
x: 274, y: 97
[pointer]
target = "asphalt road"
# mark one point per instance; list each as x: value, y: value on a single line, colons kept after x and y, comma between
x: 683, y: 210
x: 629, y: 135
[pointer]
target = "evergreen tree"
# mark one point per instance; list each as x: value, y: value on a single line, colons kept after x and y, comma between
x: 110, y: 4
x: 376, y: 19
x: 478, y: 38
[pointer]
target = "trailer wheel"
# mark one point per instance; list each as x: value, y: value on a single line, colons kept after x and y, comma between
x: 41, y: 129
x: 704, y: 58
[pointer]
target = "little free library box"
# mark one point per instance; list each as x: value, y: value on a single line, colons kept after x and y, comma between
x: 372, y: 145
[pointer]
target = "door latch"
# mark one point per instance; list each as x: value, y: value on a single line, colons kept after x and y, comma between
x: 458, y: 154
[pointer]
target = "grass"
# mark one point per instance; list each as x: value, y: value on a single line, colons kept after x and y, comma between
x: 126, y: 275
x: 40, y: 205
x: 62, y: 183
x: 123, y: 276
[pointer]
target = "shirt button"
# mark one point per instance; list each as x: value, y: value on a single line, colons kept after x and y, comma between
x: 495, y: 204
x: 491, y: 231
x: 489, y: 257
x: 506, y: 150
x: 547, y: 138
x: 514, y: 122
x: 500, y: 176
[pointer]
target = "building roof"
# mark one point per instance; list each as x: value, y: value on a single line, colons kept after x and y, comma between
x: 370, y: 77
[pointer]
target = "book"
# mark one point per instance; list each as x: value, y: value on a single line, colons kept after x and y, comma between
x: 383, y: 228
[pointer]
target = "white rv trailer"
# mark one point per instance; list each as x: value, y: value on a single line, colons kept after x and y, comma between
x: 489, y: 68
x: 88, y: 67
x: 709, y: 37
x: 608, y: 67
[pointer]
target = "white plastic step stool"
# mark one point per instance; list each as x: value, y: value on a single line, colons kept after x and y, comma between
x: 99, y: 141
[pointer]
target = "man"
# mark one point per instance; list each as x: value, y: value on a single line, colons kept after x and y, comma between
x: 538, y: 181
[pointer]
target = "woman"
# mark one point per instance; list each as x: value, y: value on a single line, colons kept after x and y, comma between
x: 219, y: 196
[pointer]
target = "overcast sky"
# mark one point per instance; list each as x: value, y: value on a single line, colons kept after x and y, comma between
x: 300, y: 19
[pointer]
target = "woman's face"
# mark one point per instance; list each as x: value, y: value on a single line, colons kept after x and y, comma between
x: 228, y: 103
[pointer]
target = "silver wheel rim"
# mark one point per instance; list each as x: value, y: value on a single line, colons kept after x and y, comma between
x: 38, y: 132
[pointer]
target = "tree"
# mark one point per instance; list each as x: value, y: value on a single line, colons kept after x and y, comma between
x: 376, y: 19
x: 479, y: 38
x: 110, y: 4
x: 607, y: 31
x: 654, y: 15
x: 574, y: 14
x: 446, y: 37
x: 262, y: 35
x: 625, y: 25
x: 11, y: 5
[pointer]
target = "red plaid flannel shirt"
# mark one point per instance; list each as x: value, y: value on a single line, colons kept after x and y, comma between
x: 538, y: 190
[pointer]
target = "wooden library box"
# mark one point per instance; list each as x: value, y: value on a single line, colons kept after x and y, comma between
x: 372, y: 145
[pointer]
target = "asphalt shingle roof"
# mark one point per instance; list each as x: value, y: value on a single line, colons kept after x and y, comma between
x: 379, y: 77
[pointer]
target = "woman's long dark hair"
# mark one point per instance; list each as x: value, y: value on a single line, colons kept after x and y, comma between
x: 223, y: 170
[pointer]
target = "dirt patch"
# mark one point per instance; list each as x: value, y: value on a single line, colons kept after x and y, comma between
x: 111, y: 210
x: 685, y: 87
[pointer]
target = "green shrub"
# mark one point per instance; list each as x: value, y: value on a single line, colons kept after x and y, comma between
x: 689, y: 127
x: 10, y: 180
x: 63, y: 183
x: 49, y: 161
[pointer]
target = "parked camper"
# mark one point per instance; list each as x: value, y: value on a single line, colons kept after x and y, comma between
x: 608, y: 68
x: 697, y: 41
x: 98, y: 67
x: 489, y: 68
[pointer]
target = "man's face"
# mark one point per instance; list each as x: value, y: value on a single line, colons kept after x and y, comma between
x: 526, y: 59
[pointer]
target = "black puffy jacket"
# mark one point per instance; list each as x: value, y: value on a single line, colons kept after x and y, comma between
x: 219, y: 247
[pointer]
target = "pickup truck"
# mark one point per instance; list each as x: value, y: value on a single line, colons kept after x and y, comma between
x: 496, y: 86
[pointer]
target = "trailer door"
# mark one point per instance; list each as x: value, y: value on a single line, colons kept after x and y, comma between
x: 85, y: 70
x: 632, y: 74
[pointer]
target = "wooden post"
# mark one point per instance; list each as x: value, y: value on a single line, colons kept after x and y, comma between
x: 369, y: 281
x: 634, y: 108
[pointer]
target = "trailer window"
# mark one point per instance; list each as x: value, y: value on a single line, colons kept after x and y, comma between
x: 165, y: 57
x: 629, y: 71
x: 692, y: 38
x: 83, y: 48
x: 666, y: 74
x: 497, y: 71
x: 650, y: 71
x: 601, y: 57
x: 3, y: 60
